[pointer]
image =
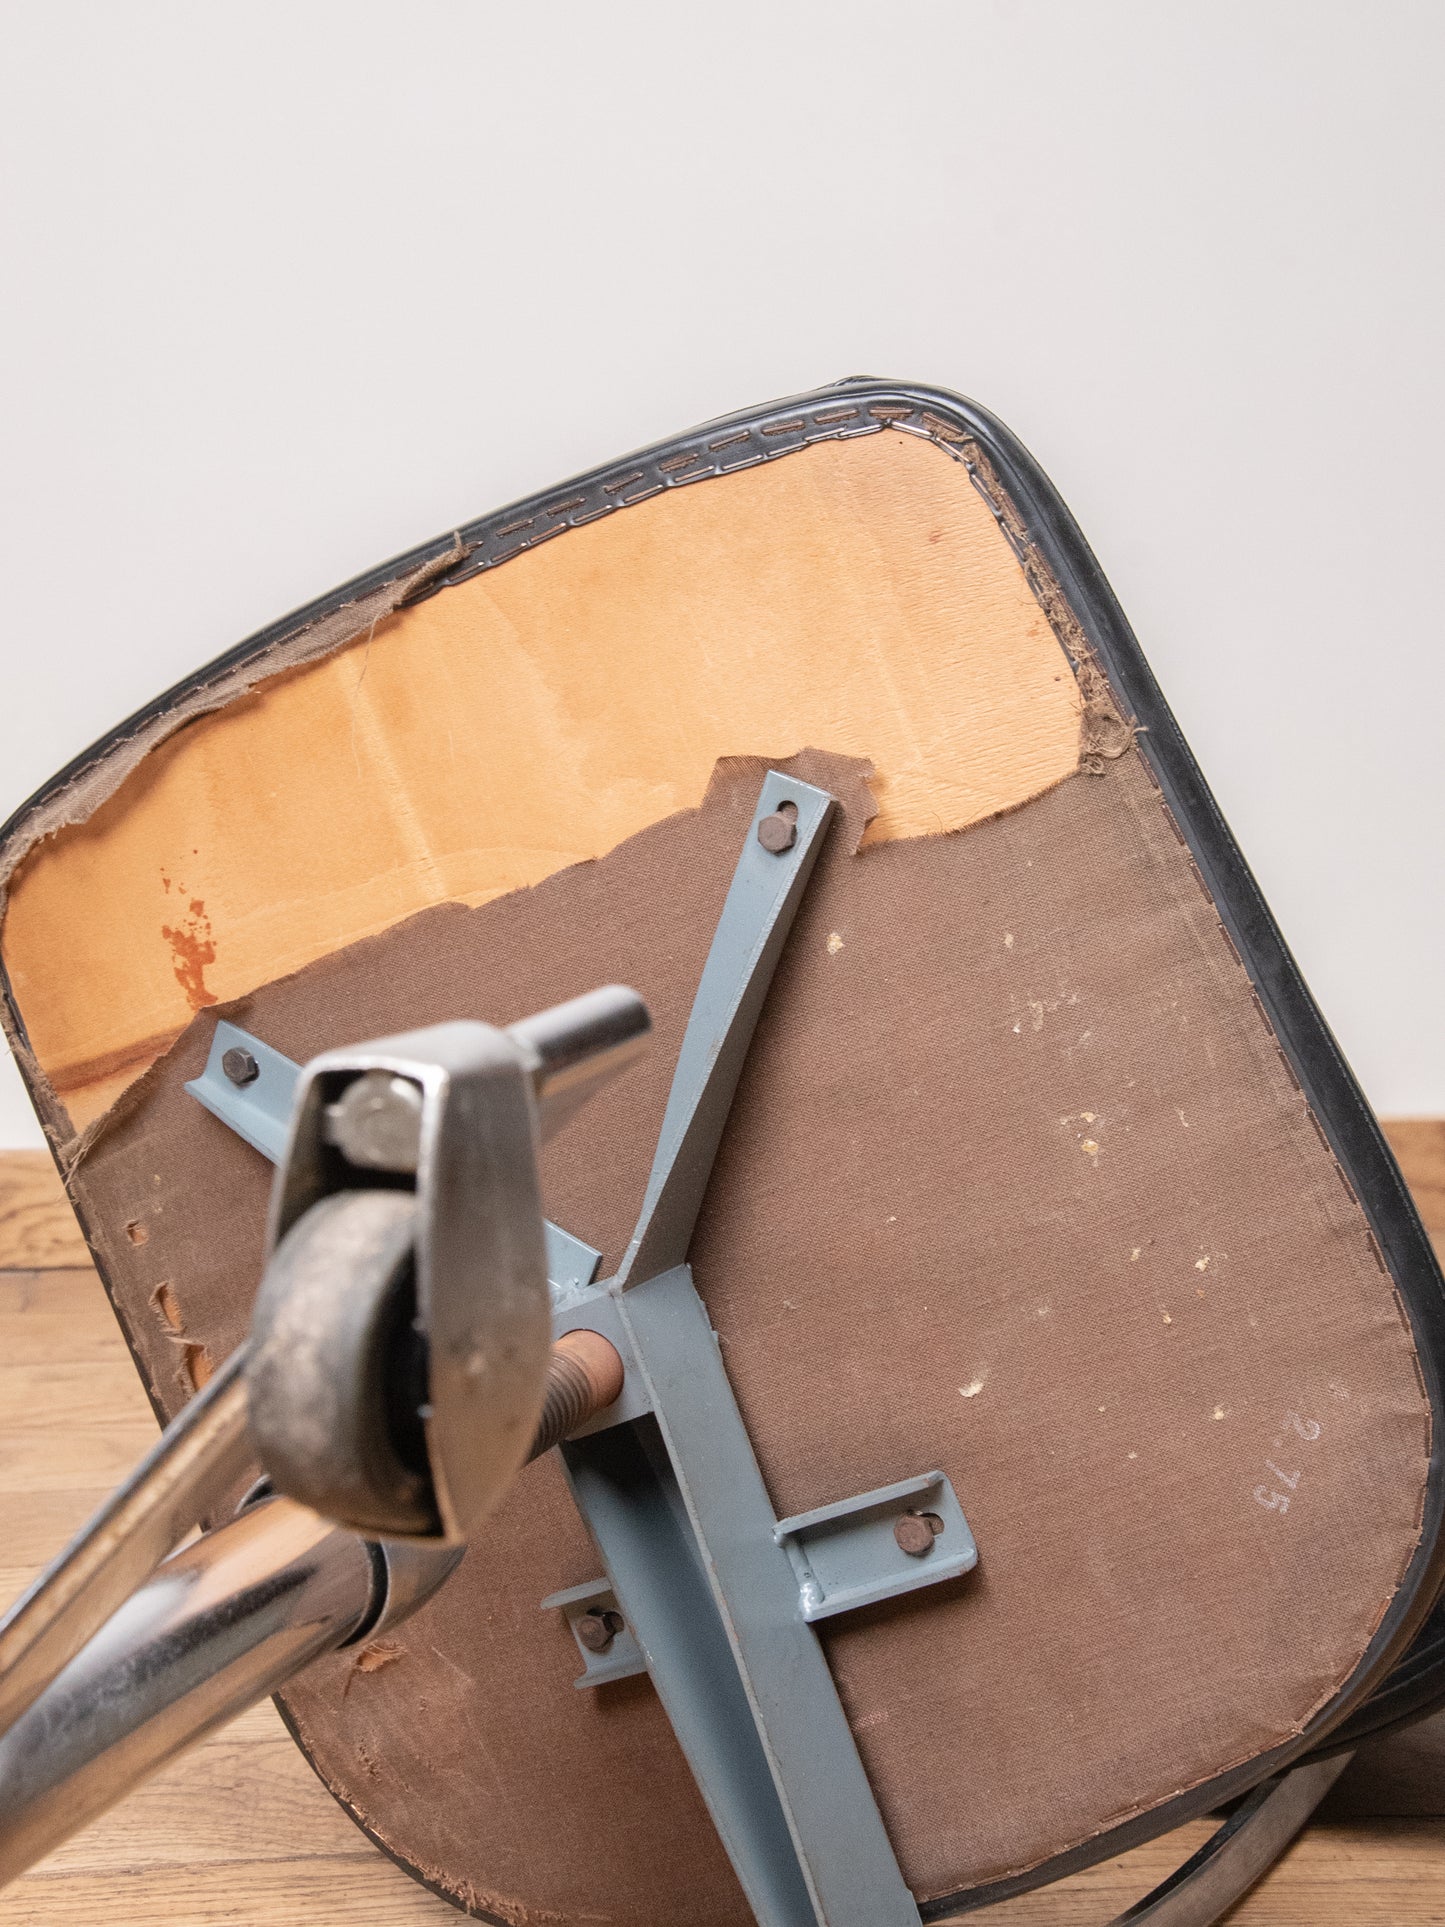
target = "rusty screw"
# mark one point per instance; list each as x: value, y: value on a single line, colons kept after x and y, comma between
x: 240, y: 1066
x: 916, y: 1532
x: 597, y: 1630
x: 779, y: 832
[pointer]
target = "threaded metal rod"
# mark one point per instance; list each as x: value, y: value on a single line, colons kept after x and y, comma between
x: 584, y: 1377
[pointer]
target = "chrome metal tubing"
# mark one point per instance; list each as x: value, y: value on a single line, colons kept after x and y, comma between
x: 1241, y: 1852
x: 220, y: 1625
x: 186, y: 1474
x: 580, y: 1044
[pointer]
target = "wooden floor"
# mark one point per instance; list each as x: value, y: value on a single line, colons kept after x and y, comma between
x: 239, y: 1831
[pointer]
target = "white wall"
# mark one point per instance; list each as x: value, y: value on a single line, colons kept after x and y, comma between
x: 288, y: 287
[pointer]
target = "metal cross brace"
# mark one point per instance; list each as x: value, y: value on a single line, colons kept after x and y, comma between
x: 717, y: 1593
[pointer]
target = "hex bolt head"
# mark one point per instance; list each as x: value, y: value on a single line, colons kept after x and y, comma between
x: 914, y: 1534
x: 778, y: 833
x: 239, y: 1065
x: 376, y: 1122
x: 597, y: 1631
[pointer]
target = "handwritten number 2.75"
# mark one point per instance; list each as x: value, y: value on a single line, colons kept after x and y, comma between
x: 1271, y: 1497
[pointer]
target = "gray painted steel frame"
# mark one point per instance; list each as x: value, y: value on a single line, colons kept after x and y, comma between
x: 716, y: 1591
x: 679, y: 1508
x: 260, y: 1112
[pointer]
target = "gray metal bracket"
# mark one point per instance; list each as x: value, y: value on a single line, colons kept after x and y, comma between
x: 717, y: 1595
x: 621, y: 1656
x: 861, y: 1551
x: 762, y: 900
x: 679, y: 1510
x: 250, y: 1087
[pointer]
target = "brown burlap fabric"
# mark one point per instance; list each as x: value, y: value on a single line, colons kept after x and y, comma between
x: 1017, y: 1184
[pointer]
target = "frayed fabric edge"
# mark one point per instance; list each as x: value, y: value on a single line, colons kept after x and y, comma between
x: 99, y: 781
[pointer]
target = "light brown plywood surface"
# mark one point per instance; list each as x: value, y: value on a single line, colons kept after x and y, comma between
x: 37, y: 1226
x: 858, y: 596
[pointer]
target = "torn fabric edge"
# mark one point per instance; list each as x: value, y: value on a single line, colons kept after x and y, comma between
x: 1104, y: 735
x: 99, y: 780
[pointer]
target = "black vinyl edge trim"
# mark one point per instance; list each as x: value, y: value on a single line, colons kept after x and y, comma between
x: 867, y: 405
x: 1349, y: 1125
x: 1413, y: 1689
x: 732, y: 442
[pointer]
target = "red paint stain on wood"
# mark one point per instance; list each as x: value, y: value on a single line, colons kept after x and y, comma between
x: 193, y: 950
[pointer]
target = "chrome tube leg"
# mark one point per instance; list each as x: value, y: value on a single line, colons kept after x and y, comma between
x: 1243, y: 1850
x: 201, y: 1453
x: 216, y: 1628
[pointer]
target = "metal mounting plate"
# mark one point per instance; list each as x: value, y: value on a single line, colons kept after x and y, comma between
x: 846, y: 1555
x: 623, y: 1658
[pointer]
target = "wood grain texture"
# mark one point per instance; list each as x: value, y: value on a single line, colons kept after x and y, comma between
x: 240, y: 1831
x: 1419, y: 1144
x: 37, y: 1226
x: 1388, y: 1873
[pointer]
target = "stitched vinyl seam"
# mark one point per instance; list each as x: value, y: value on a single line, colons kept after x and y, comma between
x: 761, y: 441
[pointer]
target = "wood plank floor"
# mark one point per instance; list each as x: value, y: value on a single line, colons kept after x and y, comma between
x: 239, y: 1831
